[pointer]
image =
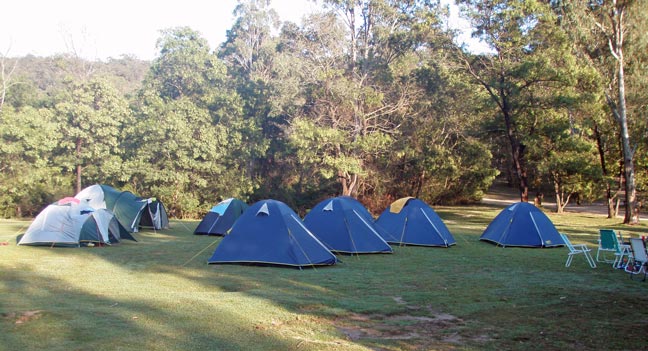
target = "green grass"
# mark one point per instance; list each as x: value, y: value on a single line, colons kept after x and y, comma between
x: 159, y: 294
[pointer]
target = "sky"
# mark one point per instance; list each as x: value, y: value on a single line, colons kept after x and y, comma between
x: 104, y: 29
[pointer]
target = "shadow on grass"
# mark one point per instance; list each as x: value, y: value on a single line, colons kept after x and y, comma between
x: 51, y: 314
x: 471, y: 296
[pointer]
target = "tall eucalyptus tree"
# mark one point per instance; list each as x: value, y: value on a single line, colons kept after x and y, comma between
x: 528, y: 66
x: 602, y: 31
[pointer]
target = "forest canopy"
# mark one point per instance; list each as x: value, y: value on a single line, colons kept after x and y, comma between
x: 368, y: 98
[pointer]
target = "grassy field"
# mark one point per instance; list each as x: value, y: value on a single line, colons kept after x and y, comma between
x: 159, y: 294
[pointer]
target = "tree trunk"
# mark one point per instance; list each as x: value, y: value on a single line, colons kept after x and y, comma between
x: 615, y: 41
x: 353, y: 185
x: 631, y: 214
x: 419, y: 186
x: 5, y: 77
x: 354, y: 38
x: 610, y: 203
x: 348, y: 182
x: 79, y: 167
x: 560, y: 208
x: 78, y: 178
x: 522, y: 176
x: 604, y: 170
x: 517, y: 155
x: 343, y: 182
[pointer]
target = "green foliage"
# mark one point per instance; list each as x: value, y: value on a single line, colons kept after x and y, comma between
x: 567, y: 161
x: 367, y: 98
x: 29, y: 178
x: 90, y: 122
x: 188, y: 143
x: 530, y: 70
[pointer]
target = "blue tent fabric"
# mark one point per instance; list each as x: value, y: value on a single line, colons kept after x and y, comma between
x: 415, y: 223
x: 345, y: 226
x: 524, y: 225
x: 221, y: 217
x: 270, y: 232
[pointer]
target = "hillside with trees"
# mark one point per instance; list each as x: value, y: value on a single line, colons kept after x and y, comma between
x: 372, y: 99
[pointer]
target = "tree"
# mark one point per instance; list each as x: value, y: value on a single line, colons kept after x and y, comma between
x: 365, y: 93
x: 187, y: 145
x: 250, y: 55
x: 610, y: 19
x: 567, y: 159
x: 90, y: 122
x: 29, y: 176
x: 249, y: 41
x: 322, y: 106
x: 7, y: 69
x: 601, y: 30
x: 438, y: 155
x: 527, y: 68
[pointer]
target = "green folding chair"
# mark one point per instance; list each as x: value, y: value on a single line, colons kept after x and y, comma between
x: 609, y: 242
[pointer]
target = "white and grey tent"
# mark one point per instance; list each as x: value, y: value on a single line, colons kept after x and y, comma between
x: 72, y: 222
x: 154, y: 215
x: 131, y: 211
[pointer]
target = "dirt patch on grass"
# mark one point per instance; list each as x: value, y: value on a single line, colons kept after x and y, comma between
x: 432, y: 329
x: 21, y: 317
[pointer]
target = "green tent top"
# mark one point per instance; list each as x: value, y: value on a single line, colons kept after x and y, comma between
x: 125, y: 205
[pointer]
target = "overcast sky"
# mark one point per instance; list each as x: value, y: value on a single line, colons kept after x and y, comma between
x: 102, y: 29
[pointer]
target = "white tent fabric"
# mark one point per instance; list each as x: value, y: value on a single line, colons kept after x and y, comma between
x: 70, y: 223
x: 93, y: 195
x: 58, y: 224
x: 103, y: 218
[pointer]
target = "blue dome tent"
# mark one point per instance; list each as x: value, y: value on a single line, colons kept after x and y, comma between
x: 221, y: 217
x: 269, y: 232
x: 345, y: 226
x: 522, y: 224
x: 410, y: 221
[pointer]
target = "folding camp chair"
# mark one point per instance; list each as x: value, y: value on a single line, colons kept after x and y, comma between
x: 638, y: 263
x: 610, y: 242
x: 577, y: 249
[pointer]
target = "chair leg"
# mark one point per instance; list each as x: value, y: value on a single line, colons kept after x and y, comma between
x: 618, y: 261
x: 569, y: 260
x: 590, y: 260
x: 602, y: 257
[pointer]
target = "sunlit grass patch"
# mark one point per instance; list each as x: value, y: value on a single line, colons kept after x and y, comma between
x: 160, y: 294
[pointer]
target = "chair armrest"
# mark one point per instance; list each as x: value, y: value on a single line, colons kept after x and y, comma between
x: 581, y: 247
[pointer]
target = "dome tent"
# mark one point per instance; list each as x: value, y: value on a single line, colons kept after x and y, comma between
x: 71, y: 222
x: 524, y: 225
x: 154, y: 215
x: 269, y: 232
x: 128, y: 208
x: 345, y: 226
x: 221, y: 217
x: 410, y: 221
